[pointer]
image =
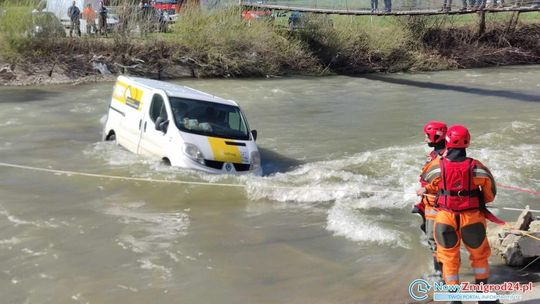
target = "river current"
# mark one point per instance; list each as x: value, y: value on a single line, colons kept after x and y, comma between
x: 337, y: 238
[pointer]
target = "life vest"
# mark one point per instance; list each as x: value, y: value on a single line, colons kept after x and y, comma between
x: 428, y: 172
x: 456, y: 189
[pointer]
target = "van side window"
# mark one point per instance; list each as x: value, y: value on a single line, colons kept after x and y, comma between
x: 157, y: 108
x: 235, y: 121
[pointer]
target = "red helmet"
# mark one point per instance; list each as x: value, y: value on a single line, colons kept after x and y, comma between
x: 433, y: 129
x: 458, y: 137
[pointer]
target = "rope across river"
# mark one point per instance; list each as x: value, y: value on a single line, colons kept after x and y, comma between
x: 164, y: 181
x: 231, y: 185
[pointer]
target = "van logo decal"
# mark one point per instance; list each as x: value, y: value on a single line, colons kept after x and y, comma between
x: 228, y: 167
x: 129, y: 95
x: 133, y: 103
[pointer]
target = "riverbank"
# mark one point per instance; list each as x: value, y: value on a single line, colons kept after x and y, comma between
x: 221, y: 45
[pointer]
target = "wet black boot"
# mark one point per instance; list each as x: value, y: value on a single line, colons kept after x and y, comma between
x: 485, y: 281
x: 437, y: 266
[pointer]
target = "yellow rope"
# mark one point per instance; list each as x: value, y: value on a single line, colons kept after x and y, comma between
x: 525, y: 233
x: 151, y: 180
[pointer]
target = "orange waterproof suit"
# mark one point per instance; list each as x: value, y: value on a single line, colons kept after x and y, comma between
x: 89, y: 15
x: 430, y: 171
x: 462, y: 190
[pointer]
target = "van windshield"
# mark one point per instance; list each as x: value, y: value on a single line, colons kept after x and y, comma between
x: 209, y: 118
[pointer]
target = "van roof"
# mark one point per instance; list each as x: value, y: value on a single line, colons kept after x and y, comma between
x: 175, y: 90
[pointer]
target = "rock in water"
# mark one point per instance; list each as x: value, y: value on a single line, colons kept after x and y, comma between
x: 524, y: 220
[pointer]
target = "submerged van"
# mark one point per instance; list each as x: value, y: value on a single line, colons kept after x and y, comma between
x: 181, y: 126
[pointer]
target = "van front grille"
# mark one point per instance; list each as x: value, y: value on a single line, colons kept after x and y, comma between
x: 213, y: 164
x: 219, y: 165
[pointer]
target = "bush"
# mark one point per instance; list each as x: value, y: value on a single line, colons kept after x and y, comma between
x: 222, y: 43
x: 15, y: 20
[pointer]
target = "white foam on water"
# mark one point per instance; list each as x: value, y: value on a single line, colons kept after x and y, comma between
x: 523, y: 127
x: 164, y: 272
x: 33, y: 253
x: 511, y: 154
x: 114, y: 155
x: 6, y: 146
x: 10, y: 122
x: 46, y: 276
x: 343, y: 221
x: 83, y: 108
x: 15, y: 220
x: 132, y: 289
x: 11, y: 241
x: 18, y: 221
x: 385, y: 173
x: 159, y: 226
x: 381, y: 179
x: 103, y: 120
x: 150, y: 234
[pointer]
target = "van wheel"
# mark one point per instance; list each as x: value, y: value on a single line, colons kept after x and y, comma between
x: 111, y: 136
x: 166, y: 161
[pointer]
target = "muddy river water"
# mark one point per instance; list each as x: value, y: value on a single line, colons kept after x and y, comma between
x: 73, y: 239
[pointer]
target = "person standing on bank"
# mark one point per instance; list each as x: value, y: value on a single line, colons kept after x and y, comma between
x: 435, y: 132
x: 89, y: 15
x: 388, y: 6
x: 374, y: 6
x: 102, y: 19
x: 74, y: 14
x: 463, y: 188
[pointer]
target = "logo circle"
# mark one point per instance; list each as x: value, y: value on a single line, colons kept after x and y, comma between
x: 418, y: 289
x: 228, y: 167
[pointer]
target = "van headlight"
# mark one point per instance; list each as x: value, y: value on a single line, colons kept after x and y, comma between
x: 194, y: 153
x: 255, y: 160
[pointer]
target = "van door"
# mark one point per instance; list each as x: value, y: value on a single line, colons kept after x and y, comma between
x: 153, y: 141
x: 129, y: 100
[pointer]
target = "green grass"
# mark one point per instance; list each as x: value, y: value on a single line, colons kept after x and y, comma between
x: 15, y: 20
x: 217, y: 43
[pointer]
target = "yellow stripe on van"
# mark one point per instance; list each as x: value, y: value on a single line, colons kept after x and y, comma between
x: 128, y: 95
x: 223, y: 152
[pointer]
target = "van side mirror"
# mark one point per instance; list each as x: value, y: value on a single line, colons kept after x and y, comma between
x: 254, y: 133
x: 162, y: 124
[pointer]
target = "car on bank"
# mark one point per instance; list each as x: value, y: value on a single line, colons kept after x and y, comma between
x: 182, y: 127
x: 46, y: 25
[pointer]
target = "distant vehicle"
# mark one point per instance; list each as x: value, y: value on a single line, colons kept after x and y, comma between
x: 181, y: 126
x: 170, y: 8
x: 46, y: 25
x: 155, y: 19
x: 256, y: 14
x: 113, y: 20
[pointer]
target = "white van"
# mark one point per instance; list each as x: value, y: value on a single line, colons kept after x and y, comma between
x: 181, y: 126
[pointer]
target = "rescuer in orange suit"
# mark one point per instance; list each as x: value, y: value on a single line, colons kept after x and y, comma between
x: 435, y: 132
x: 463, y: 188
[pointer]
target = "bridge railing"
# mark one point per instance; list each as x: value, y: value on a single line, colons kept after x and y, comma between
x: 401, y: 5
